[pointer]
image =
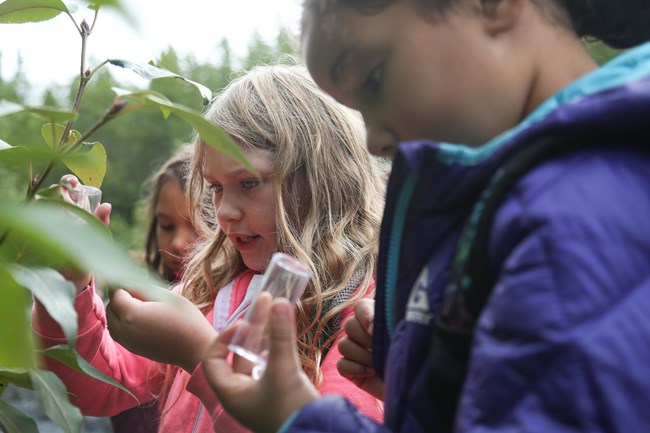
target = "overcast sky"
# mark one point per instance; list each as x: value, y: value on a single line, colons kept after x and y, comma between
x: 50, y: 50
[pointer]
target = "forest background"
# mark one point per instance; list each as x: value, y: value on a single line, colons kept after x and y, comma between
x: 139, y: 143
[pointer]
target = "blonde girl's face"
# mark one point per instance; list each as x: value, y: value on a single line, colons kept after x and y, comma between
x: 413, y: 76
x: 244, y: 204
x: 174, y: 230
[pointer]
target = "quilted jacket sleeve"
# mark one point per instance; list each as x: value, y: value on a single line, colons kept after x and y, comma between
x: 331, y: 413
x: 564, y: 341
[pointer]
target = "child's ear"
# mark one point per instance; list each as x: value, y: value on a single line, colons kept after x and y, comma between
x: 500, y: 15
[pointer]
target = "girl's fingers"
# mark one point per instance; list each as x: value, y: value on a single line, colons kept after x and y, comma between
x: 103, y: 213
x: 220, y: 346
x: 69, y: 181
x: 120, y: 298
x: 364, y: 311
x: 357, y: 333
x: 117, y: 312
x: 283, y: 353
x: 354, y: 352
x: 264, y: 404
x: 350, y: 369
x: 215, y: 364
x: 113, y: 313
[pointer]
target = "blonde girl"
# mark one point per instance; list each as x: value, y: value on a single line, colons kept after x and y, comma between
x: 316, y: 195
x: 327, y: 193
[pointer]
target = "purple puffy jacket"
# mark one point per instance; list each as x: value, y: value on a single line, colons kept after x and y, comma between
x: 564, y: 341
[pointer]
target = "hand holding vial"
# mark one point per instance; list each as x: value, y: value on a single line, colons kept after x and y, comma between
x: 86, y: 197
x: 285, y: 277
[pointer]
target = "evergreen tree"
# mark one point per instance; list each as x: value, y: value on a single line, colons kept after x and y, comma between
x: 258, y: 52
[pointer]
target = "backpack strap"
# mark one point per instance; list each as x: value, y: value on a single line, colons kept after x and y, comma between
x: 334, y: 324
x: 472, y: 280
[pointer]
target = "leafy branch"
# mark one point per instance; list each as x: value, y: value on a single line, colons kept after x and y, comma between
x: 38, y: 234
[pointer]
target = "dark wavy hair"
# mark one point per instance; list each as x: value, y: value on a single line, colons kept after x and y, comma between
x: 618, y: 23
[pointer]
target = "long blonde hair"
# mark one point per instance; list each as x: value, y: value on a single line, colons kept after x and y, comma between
x: 328, y: 191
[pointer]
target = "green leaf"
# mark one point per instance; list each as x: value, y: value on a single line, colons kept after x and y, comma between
x: 116, y: 5
x: 8, y: 107
x: 4, y: 383
x: 88, y: 163
x: 26, y: 11
x: 113, y: 3
x: 53, y: 132
x: 72, y: 7
x: 151, y: 72
x: 212, y: 134
x: 17, y: 376
x: 52, y: 192
x: 52, y: 230
x: 20, y: 250
x: 16, y: 344
x: 54, y: 114
x: 54, y: 292
x: 11, y: 249
x: 18, y: 154
x: 71, y: 358
x: 143, y: 95
x: 54, y: 397
x: 14, y: 421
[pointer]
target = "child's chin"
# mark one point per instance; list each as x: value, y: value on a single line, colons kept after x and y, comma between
x: 257, y: 263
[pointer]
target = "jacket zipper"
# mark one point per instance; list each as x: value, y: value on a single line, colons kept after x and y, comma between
x: 394, y: 247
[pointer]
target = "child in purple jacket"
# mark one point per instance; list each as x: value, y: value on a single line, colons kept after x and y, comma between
x: 563, y: 341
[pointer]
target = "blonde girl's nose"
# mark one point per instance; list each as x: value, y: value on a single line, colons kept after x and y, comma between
x: 228, y: 211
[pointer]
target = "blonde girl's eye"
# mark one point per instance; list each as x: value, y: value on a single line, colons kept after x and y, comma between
x: 250, y: 184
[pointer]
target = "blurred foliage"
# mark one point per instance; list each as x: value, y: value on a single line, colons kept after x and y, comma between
x: 139, y: 143
x: 601, y: 52
x: 68, y: 131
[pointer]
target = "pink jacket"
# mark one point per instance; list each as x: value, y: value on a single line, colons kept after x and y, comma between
x: 190, y: 405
